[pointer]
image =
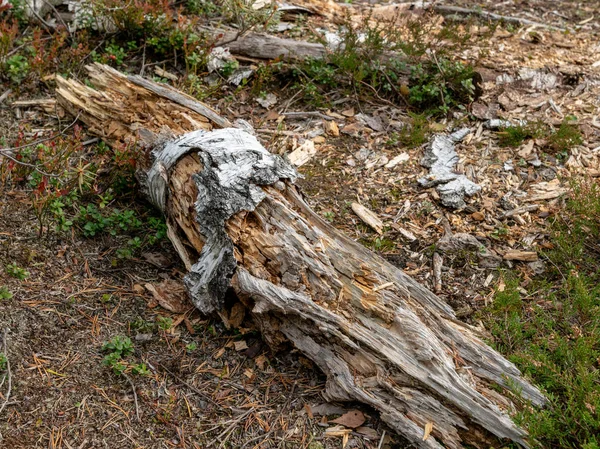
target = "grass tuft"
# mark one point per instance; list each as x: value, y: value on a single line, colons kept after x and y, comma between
x: 556, y: 142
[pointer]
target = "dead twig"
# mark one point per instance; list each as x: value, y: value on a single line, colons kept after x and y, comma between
x: 273, y: 427
x: 8, y: 372
x: 224, y: 436
x: 16, y: 49
x: 380, y: 445
x: 438, y: 262
x: 49, y: 28
x: 135, y: 398
x: 521, y: 210
x: 191, y: 387
x: 300, y: 115
x: 59, y: 17
x: 143, y: 61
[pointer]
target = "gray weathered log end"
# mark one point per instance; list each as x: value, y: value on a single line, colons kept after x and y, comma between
x: 379, y: 336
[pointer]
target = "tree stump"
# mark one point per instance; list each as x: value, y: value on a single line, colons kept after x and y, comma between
x: 238, y: 222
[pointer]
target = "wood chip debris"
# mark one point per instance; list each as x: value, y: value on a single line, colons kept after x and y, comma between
x: 368, y: 216
x: 303, y: 153
x: 523, y: 256
x: 331, y: 127
x: 402, y: 157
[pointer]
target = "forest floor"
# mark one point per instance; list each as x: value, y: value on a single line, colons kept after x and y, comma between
x: 86, y: 270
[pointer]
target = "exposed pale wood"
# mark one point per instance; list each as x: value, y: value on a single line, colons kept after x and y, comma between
x: 303, y: 153
x: 180, y: 98
x: 379, y: 336
x: 121, y: 112
x: 523, y: 256
x: 369, y: 217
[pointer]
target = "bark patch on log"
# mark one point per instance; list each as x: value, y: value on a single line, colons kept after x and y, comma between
x: 234, y: 165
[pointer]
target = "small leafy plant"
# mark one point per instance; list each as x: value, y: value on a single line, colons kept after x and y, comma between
x: 329, y: 216
x: 5, y: 293
x: 499, y: 233
x: 122, y: 346
x: 141, y: 325
x: 17, y: 68
x: 17, y: 272
x: 441, y: 84
x: 164, y: 322
x: 140, y: 369
x: 95, y: 222
x: 118, y: 348
x: 380, y: 244
x: 133, y: 246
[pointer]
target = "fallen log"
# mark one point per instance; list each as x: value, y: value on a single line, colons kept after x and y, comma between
x: 265, y: 46
x: 240, y: 224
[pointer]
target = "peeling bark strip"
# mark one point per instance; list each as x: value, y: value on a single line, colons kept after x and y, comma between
x: 440, y: 157
x: 379, y: 336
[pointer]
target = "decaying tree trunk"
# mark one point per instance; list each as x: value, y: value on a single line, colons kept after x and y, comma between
x: 237, y: 220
